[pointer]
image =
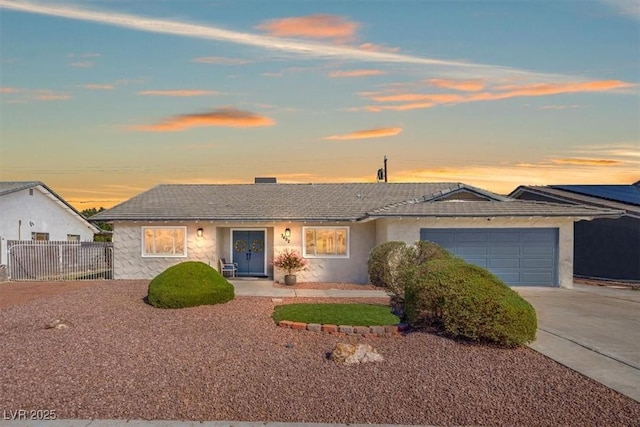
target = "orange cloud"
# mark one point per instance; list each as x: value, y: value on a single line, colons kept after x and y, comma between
x: 356, y: 73
x: 98, y: 86
x: 229, y: 117
x: 49, y: 95
x: 587, y: 162
x: 461, y: 85
x: 366, y: 134
x: 178, y: 92
x: 9, y: 90
x: 497, y: 93
x: 220, y: 60
x: 312, y: 26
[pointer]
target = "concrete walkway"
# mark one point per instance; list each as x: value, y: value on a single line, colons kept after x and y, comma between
x: 593, y: 330
x: 265, y: 288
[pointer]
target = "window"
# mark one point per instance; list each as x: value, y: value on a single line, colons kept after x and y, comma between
x: 164, y: 241
x: 39, y: 236
x: 326, y: 242
x: 73, y: 237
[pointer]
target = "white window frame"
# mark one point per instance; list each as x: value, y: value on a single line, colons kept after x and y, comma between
x: 163, y: 227
x: 73, y: 238
x: 325, y: 227
x: 36, y: 234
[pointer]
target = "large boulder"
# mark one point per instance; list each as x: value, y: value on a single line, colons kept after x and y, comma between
x: 352, y: 354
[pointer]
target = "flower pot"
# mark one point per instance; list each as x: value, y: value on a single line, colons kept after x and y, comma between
x: 290, y: 279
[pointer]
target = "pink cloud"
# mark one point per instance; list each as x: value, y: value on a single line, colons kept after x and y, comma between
x: 98, y: 86
x: 318, y: 26
x: 227, y: 117
x: 461, y: 85
x: 356, y: 73
x: 366, y: 134
x: 220, y: 60
x: 177, y: 92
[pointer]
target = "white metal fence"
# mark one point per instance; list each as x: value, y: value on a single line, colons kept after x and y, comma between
x: 44, y: 261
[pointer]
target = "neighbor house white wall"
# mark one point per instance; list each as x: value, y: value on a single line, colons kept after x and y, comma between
x: 22, y: 213
x: 408, y: 230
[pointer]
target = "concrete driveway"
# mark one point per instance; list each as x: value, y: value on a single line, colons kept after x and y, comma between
x: 591, y: 329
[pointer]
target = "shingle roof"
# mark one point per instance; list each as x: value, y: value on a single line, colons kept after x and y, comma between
x: 8, y: 187
x: 300, y: 202
x: 510, y: 208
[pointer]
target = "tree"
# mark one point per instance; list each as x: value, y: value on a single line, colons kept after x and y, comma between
x: 103, y: 237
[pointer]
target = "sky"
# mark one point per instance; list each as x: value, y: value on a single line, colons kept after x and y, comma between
x: 102, y: 100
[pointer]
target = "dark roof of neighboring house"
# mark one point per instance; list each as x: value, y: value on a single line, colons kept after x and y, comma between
x: 602, y: 196
x: 9, y: 187
x: 321, y: 202
x: 617, y: 193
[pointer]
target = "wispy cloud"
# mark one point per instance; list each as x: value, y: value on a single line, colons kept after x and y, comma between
x: 428, y: 100
x: 228, y: 117
x: 98, y: 86
x: 366, y: 134
x: 177, y: 92
x: 561, y: 107
x: 586, y: 162
x: 22, y: 95
x: 356, y: 73
x: 220, y: 60
x: 630, y: 8
x: 336, y: 28
x: 303, y: 48
x: 82, y: 64
x: 474, y: 85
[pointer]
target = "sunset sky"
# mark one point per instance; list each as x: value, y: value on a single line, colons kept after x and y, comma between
x: 102, y: 100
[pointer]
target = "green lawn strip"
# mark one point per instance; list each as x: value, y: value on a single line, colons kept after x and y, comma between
x: 336, y: 314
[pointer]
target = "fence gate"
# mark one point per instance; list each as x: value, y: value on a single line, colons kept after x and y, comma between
x: 46, y: 261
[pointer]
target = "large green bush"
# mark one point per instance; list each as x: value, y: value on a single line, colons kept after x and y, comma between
x: 383, y: 266
x: 392, y: 262
x: 189, y: 284
x: 468, y: 301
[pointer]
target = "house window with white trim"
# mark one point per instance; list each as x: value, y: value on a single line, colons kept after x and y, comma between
x: 325, y: 242
x: 73, y: 237
x: 164, y: 241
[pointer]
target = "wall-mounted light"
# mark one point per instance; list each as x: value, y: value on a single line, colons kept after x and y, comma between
x: 286, y: 236
x: 200, y: 232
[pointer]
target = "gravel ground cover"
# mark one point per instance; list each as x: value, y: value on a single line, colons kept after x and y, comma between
x: 123, y: 359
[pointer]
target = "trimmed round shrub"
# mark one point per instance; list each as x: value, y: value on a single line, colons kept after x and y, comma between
x: 469, y: 302
x: 383, y: 264
x: 189, y: 284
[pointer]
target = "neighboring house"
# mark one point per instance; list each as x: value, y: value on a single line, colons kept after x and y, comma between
x: 335, y: 226
x: 604, y: 248
x: 29, y: 210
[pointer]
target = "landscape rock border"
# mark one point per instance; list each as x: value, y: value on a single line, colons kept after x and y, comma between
x: 342, y: 330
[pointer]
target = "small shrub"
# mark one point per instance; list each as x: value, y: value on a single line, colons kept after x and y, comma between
x: 290, y: 261
x: 189, y: 284
x: 468, y: 301
x: 383, y: 264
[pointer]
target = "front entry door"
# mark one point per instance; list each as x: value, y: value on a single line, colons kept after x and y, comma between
x: 248, y: 250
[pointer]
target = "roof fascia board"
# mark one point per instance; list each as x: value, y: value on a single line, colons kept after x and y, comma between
x: 62, y: 203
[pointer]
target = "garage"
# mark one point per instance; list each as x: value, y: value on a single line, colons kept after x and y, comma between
x: 518, y: 256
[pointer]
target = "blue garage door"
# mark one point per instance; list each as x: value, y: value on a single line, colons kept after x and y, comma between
x: 518, y: 256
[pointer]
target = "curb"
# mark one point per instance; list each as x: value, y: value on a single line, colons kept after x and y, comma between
x: 365, y: 331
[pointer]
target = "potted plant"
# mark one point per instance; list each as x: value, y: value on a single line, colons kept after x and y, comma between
x: 291, y: 262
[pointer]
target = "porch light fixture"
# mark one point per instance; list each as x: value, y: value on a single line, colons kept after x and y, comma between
x: 200, y: 232
x: 286, y: 236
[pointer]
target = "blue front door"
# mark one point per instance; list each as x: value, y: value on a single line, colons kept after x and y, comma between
x: 249, y: 252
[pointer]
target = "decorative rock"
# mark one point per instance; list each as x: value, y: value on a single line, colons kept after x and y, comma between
x: 314, y: 327
x: 58, y: 324
x: 349, y: 354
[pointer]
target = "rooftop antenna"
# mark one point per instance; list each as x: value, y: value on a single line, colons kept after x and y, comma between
x: 382, y: 172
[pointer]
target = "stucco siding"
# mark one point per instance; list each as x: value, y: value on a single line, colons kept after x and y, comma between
x: 23, y: 213
x: 408, y: 230
x: 128, y: 262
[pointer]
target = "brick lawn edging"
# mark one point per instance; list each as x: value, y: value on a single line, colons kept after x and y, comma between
x: 366, y: 331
